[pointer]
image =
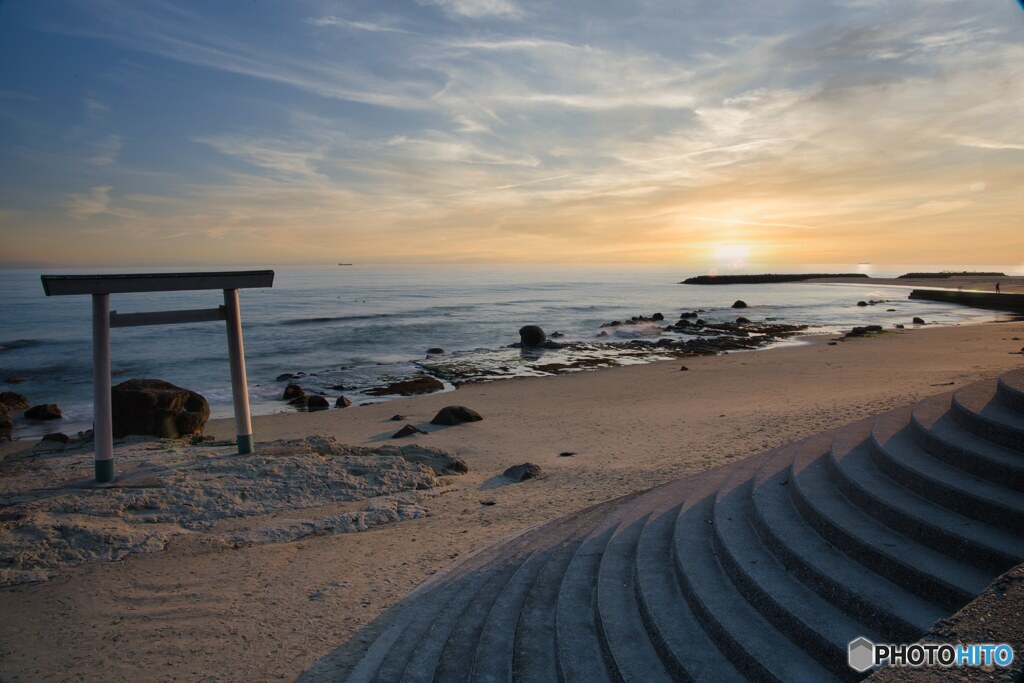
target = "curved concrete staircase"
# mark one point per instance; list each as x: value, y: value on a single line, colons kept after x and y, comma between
x: 764, y: 569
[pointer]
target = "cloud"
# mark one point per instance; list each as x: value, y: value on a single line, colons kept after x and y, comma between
x: 85, y: 206
x: 475, y: 9
x: 356, y: 25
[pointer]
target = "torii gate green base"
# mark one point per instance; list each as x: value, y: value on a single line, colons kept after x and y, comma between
x: 102, y: 286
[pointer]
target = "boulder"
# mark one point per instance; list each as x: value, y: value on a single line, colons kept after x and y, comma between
x: 292, y: 391
x: 44, y: 411
x: 299, y: 401
x: 6, y: 423
x: 739, y: 303
x: 317, y: 402
x: 409, y: 387
x: 531, y: 335
x: 158, y: 408
x: 435, y: 351
x: 742, y: 321
x: 549, y: 344
x: 397, y: 418
x: 517, y: 473
x: 657, y: 316
x: 407, y: 430
x: 862, y: 303
x: 13, y: 401
x: 56, y: 437
x: 453, y: 415
x: 342, y: 402
x: 918, y: 321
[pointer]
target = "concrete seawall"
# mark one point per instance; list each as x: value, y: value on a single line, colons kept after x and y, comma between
x: 987, y: 300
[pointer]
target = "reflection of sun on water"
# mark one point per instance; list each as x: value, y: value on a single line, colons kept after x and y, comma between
x: 732, y: 256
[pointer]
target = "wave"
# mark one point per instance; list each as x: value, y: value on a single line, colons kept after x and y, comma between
x: 19, y: 344
x: 320, y: 320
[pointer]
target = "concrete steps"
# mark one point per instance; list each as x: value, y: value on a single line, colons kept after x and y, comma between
x: 763, y: 569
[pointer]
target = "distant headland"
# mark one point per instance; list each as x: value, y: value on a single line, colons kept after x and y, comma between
x: 761, y: 278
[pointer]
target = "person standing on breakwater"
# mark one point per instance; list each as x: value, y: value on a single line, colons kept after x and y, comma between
x: 997, y: 288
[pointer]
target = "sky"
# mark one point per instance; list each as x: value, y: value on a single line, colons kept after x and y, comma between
x: 684, y: 132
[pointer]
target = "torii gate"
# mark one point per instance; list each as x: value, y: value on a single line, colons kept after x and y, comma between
x: 102, y: 286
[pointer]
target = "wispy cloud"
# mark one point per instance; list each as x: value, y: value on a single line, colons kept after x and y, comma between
x: 476, y: 9
x: 85, y: 206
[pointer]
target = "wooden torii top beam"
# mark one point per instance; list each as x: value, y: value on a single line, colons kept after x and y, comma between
x: 102, y: 286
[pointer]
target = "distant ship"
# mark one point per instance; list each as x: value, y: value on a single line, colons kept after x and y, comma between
x: 344, y: 264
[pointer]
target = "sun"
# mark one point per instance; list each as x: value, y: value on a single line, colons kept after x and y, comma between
x: 731, y: 255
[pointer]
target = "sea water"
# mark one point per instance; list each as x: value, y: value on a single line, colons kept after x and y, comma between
x: 359, y: 327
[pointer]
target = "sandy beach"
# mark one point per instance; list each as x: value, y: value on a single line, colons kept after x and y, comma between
x: 201, y: 609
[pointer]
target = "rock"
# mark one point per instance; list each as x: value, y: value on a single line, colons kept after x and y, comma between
x: 6, y: 423
x: 566, y: 454
x: 917, y: 321
x: 338, y: 387
x: 283, y: 377
x: 56, y: 437
x: 742, y: 321
x: 862, y: 303
x: 44, y: 411
x: 158, y: 408
x: 299, y: 401
x: 683, y: 368
x: 407, y: 430
x: 833, y: 343
x: 556, y: 335
x: 342, y: 402
x: 13, y: 401
x: 397, y: 418
x: 602, y: 333
x: 518, y: 473
x: 900, y: 326
x: 739, y: 303
x: 657, y: 316
x: 453, y: 415
x: 531, y: 335
x: 317, y: 402
x: 292, y: 391
x: 549, y: 344
x: 410, y: 387
x: 890, y: 310
x: 435, y: 351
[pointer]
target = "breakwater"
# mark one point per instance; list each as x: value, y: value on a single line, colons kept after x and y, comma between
x: 988, y: 300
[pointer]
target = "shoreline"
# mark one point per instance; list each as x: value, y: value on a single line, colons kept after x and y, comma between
x: 275, y: 610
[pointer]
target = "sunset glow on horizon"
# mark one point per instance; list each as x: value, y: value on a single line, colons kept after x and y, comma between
x: 699, y: 133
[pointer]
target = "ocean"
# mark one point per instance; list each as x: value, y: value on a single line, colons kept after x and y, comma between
x: 360, y: 327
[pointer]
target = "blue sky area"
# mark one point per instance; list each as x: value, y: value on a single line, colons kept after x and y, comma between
x: 146, y: 132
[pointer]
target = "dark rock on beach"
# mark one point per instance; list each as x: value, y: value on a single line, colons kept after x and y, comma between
x: 299, y: 401
x: 6, y: 423
x: 410, y: 387
x: 739, y: 303
x: 317, y: 402
x: 531, y: 335
x: 435, y: 351
x: 407, y: 430
x: 44, y: 411
x: 862, y: 303
x: 527, y: 470
x: 158, y: 408
x: 453, y: 415
x: 342, y: 402
x: 657, y: 316
x: 56, y: 437
x: 742, y: 321
x: 13, y: 401
x: 292, y: 391
x: 918, y: 321
x: 397, y: 418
